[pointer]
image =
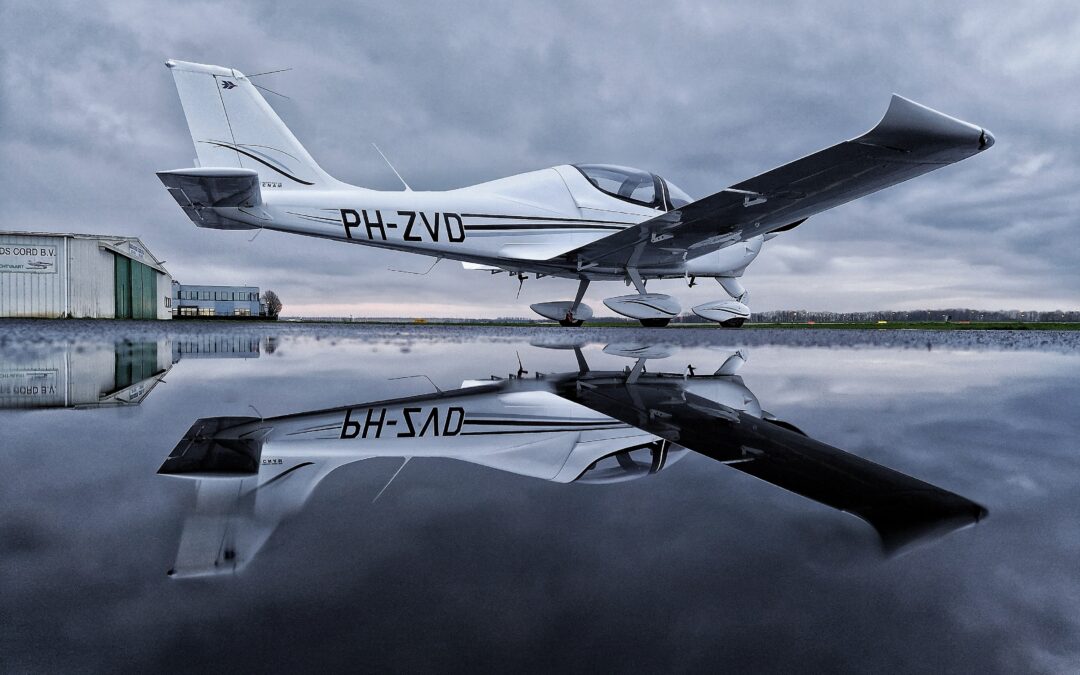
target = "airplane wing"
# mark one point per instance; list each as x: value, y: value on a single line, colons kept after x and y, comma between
x: 901, y: 508
x: 910, y: 140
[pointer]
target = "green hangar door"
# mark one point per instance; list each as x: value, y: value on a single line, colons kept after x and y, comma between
x: 136, y: 289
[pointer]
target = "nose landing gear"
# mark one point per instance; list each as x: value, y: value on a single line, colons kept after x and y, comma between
x: 569, y: 314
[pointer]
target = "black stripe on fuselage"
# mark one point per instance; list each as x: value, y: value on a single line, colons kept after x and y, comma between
x: 507, y: 227
x: 286, y: 472
x: 318, y: 219
x: 539, y: 423
x: 537, y: 431
x: 561, y: 220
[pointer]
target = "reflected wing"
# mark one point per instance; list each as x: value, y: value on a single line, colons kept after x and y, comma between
x: 910, y: 140
x: 901, y: 508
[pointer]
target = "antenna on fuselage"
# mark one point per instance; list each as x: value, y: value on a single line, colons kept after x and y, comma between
x: 391, y: 480
x: 407, y: 188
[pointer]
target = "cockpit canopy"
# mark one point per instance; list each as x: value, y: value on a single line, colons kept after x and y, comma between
x: 631, y: 463
x: 635, y: 186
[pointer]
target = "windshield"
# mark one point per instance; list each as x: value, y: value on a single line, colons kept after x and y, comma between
x: 676, y: 196
x: 634, y: 185
x: 623, y: 182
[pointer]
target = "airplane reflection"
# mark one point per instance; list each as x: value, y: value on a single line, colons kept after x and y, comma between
x: 584, y: 426
x: 122, y: 374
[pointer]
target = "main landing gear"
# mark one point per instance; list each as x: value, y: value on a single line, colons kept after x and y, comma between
x: 652, y: 310
x: 728, y: 313
x: 654, y: 323
x: 568, y: 314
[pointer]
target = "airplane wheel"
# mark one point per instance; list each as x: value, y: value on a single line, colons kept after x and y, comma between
x: 733, y: 323
x: 654, y: 323
x: 571, y: 324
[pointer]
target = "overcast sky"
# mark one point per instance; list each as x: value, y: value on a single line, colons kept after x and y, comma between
x: 706, y: 94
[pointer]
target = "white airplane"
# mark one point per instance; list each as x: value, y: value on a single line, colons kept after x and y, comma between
x: 590, y: 222
x: 583, y: 427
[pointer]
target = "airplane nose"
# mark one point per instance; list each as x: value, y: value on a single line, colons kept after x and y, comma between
x: 986, y: 139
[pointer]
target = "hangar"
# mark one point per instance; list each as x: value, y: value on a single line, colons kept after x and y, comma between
x: 51, y: 275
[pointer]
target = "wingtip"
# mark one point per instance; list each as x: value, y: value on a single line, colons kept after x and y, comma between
x: 908, y: 124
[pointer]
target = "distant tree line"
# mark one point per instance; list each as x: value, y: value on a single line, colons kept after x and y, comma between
x: 923, y: 315
x: 787, y: 316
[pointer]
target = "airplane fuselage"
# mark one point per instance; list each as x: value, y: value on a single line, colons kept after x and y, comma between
x: 488, y: 226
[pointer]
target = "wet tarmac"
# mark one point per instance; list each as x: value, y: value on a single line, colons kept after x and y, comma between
x: 598, y: 499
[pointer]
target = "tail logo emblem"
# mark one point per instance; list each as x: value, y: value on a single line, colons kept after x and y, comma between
x: 225, y: 84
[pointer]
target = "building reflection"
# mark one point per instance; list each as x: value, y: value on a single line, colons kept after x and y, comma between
x: 94, y: 376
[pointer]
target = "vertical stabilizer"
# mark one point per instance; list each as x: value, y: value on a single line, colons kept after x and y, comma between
x: 232, y: 125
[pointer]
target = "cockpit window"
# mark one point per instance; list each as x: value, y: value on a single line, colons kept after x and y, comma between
x: 623, y: 182
x: 676, y: 196
x: 635, y: 186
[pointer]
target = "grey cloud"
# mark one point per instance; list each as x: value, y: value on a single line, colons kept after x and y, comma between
x: 705, y: 94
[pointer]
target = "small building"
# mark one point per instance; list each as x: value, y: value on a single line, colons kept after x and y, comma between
x: 97, y: 276
x: 216, y: 301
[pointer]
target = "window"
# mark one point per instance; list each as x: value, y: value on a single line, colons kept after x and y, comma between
x: 189, y: 311
x: 635, y: 186
x: 676, y: 196
x: 625, y: 183
x: 204, y: 295
x: 206, y: 311
x: 168, y: 301
x: 242, y: 311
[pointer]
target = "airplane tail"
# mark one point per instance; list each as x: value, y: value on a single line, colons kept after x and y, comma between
x: 233, y: 126
x: 240, y: 496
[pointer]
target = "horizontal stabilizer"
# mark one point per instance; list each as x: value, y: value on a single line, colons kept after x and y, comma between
x: 207, y: 450
x: 200, y: 192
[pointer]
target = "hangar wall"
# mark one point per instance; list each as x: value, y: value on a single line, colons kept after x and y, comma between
x: 29, y: 286
x: 51, y: 275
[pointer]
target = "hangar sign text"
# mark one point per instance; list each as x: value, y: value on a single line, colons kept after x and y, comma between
x: 31, y: 258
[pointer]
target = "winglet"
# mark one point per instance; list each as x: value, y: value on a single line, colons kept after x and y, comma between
x: 908, y: 125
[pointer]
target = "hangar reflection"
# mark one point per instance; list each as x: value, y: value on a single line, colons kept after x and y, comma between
x: 581, y: 426
x: 98, y: 376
